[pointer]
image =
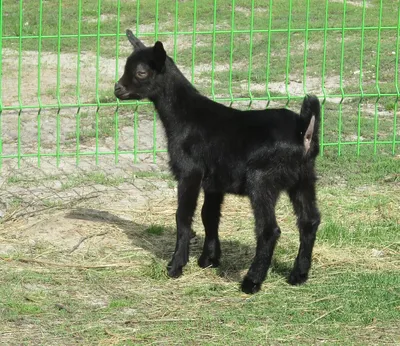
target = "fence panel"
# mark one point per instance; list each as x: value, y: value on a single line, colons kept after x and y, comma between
x: 59, y: 61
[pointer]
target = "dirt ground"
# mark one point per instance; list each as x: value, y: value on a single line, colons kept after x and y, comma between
x: 38, y: 206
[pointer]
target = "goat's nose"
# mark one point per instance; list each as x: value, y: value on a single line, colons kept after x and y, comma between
x: 118, y: 89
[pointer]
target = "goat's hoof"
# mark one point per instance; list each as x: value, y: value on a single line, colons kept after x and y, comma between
x: 205, y: 262
x: 173, y: 271
x: 250, y: 287
x: 297, y: 278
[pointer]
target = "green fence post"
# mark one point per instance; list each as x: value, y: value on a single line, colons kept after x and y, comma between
x: 250, y: 54
x: 19, y: 83
x: 135, y: 113
x: 58, y: 120
x: 361, y: 80
x: 1, y: 84
x: 396, y: 80
x: 378, y: 91
x: 306, y: 48
x: 176, y: 29
x: 116, y: 116
x: 214, y: 29
x: 97, y: 79
x: 341, y: 81
x: 194, y: 38
x: 155, y: 113
x: 231, y: 52
x: 78, y: 84
x: 322, y: 144
x: 269, y: 52
x: 288, y: 54
x: 39, y: 120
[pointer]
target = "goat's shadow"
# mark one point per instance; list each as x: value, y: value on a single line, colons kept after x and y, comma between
x: 235, y: 258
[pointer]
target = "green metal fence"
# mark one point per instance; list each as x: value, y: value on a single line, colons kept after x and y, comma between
x: 59, y: 61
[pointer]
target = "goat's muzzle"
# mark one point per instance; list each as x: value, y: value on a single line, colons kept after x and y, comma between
x: 120, y: 92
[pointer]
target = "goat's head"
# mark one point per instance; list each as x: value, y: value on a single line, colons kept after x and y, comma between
x: 143, y: 69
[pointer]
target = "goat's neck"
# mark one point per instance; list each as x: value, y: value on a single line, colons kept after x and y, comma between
x: 174, y: 99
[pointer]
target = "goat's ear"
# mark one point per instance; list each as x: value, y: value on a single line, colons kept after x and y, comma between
x: 135, y: 42
x: 159, y: 55
x: 308, y: 135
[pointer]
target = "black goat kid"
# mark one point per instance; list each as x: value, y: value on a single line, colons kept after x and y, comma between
x: 223, y: 150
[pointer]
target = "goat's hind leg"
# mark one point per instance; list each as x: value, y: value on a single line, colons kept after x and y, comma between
x: 210, y: 215
x: 188, y: 192
x: 267, y: 233
x: 308, y: 218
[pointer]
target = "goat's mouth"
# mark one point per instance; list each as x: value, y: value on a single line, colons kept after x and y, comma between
x: 123, y: 94
x: 127, y: 96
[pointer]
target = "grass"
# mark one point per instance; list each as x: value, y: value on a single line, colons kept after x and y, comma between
x: 155, y: 230
x: 352, y: 296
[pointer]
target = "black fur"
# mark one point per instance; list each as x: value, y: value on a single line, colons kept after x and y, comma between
x: 223, y: 150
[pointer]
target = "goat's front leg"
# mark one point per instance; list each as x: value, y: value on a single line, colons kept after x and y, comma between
x: 188, y: 192
x: 210, y: 215
x: 267, y: 234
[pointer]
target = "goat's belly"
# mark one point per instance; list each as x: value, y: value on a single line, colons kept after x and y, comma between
x: 233, y: 186
x: 236, y: 190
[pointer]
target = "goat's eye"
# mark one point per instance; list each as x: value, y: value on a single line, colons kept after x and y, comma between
x: 141, y: 74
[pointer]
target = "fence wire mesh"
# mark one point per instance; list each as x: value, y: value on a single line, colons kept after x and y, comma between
x: 59, y: 61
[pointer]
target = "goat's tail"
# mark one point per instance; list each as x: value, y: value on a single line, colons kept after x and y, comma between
x: 310, y: 115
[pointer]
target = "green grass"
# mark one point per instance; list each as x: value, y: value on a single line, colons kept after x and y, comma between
x: 352, y: 296
x: 373, y: 233
x: 155, y: 230
x: 356, y: 171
